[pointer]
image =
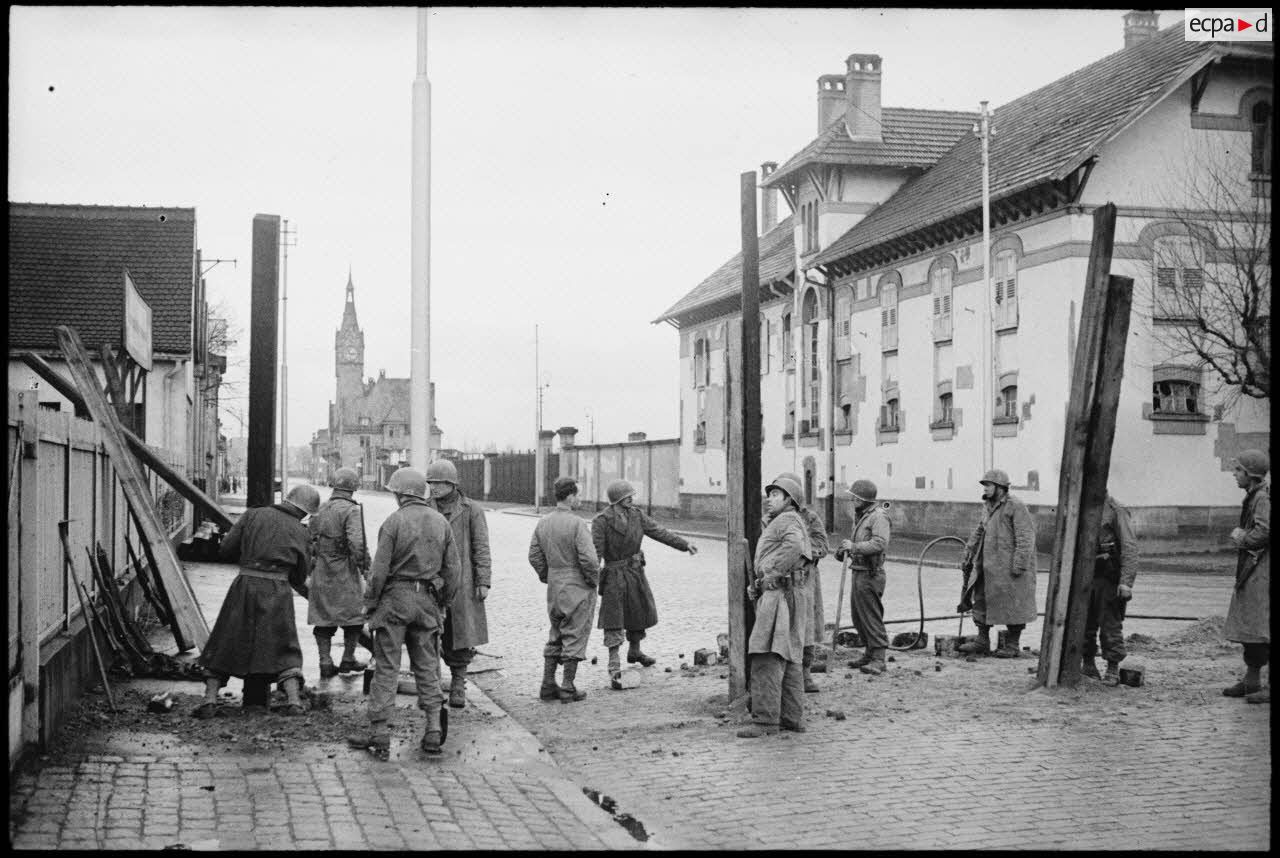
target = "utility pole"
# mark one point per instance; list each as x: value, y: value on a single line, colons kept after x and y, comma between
x: 285, y: 243
x: 539, y: 463
x: 420, y: 399
x: 984, y: 132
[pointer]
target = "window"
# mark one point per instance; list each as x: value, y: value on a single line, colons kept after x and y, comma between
x: 1260, y: 128
x: 809, y: 226
x: 940, y: 285
x: 844, y: 311
x: 700, y: 428
x: 1175, y: 396
x: 701, y: 363
x: 787, y: 356
x: 889, y: 311
x: 844, y: 401
x: 790, y: 427
x: 812, y: 375
x: 765, y: 345
x: 1007, y: 403
x: 1006, y: 289
x: 889, y: 416
x: 1178, y: 274
x: 944, y: 408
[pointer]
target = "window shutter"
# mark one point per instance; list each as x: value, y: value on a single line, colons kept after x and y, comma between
x: 937, y: 304
x: 884, y: 317
x: 999, y: 291
x: 1192, y: 278
x: 946, y: 303
x: 1010, y: 287
x: 1167, y: 278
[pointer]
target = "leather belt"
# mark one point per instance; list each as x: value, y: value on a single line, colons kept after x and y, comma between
x: 258, y: 573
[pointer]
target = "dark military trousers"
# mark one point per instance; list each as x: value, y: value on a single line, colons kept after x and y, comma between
x: 1105, y: 620
x: 867, y: 607
x: 777, y: 690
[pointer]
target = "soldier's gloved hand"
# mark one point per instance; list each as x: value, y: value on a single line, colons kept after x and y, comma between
x: 1237, y: 534
x: 693, y: 549
x: 481, y: 592
x: 753, y: 592
x: 1125, y: 592
x: 845, y: 546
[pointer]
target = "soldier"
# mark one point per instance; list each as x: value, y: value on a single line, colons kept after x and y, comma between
x: 1000, y: 568
x: 255, y: 637
x: 626, y: 602
x: 562, y: 554
x: 466, y: 626
x: 810, y: 590
x: 340, y: 564
x: 776, y: 645
x: 1249, y: 617
x: 865, y: 549
x: 415, y: 574
x: 1113, y: 576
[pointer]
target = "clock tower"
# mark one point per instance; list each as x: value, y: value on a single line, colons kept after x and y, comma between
x: 349, y: 359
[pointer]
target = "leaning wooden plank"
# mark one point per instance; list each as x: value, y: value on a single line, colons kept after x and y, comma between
x: 180, y: 483
x: 152, y: 587
x: 190, y: 628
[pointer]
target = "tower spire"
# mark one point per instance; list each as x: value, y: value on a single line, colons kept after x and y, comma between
x: 351, y: 288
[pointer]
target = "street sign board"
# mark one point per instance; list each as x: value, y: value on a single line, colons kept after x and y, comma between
x: 137, y: 324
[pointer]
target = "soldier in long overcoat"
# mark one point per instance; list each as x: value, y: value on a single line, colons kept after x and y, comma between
x: 1000, y: 568
x: 467, y: 625
x: 810, y: 590
x: 562, y: 554
x: 255, y: 636
x: 340, y: 562
x: 1249, y: 617
x: 778, y: 636
x: 626, y: 602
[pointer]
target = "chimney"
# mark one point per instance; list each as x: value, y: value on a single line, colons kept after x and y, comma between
x: 1140, y: 25
x: 768, y: 199
x: 636, y: 436
x: 831, y: 100
x: 862, y: 86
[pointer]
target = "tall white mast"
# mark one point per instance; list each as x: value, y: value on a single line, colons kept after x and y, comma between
x: 420, y: 404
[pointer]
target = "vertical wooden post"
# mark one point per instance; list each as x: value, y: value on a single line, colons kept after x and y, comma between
x: 1086, y: 455
x: 742, y: 408
x: 262, y: 360
x: 31, y: 562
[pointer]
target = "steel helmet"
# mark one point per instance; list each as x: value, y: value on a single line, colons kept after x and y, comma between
x: 789, y: 486
x: 346, y: 478
x: 305, y: 498
x: 863, y: 490
x: 996, y: 477
x: 442, y: 471
x: 1254, y: 462
x: 619, y: 490
x: 408, y: 481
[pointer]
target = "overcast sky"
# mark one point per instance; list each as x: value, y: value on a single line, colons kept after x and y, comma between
x: 585, y: 168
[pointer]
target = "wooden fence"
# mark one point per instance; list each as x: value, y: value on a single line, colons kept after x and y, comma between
x: 59, y: 471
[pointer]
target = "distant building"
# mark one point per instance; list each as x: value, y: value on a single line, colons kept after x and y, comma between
x: 368, y: 427
x: 66, y: 267
x: 871, y: 292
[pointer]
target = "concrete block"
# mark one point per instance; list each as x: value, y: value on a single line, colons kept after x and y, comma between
x: 849, y: 639
x: 704, y: 656
x: 1132, y: 676
x: 631, y: 678
x: 910, y: 639
x: 945, y: 645
x: 722, y: 643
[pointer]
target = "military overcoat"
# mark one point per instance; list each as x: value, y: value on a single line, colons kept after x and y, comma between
x: 467, y: 617
x: 1249, y: 617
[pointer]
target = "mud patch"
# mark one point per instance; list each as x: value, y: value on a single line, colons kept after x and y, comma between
x: 633, y: 826
x: 1208, y: 630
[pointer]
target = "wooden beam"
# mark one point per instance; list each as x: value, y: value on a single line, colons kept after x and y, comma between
x: 1076, y: 447
x: 263, y: 354
x: 190, y: 628
x: 180, y: 483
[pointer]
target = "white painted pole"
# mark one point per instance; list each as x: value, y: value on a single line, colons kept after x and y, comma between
x: 987, y: 369
x: 420, y: 405
x: 538, y: 465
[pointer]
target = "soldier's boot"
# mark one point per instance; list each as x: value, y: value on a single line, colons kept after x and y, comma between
x: 568, y: 693
x: 1252, y: 682
x: 863, y: 659
x: 806, y: 662
x: 376, y: 740
x: 549, y: 689
x: 1089, y: 667
x: 876, y: 665
x: 292, y: 696
x: 1011, y: 640
x: 432, y: 738
x: 457, y: 687
x: 615, y: 669
x: 1262, y: 695
x: 755, y: 731
x: 324, y: 645
x: 349, y: 663
x: 634, y: 655
x: 1113, y: 673
x: 982, y: 645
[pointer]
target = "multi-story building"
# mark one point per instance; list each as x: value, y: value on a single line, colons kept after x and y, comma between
x: 874, y: 296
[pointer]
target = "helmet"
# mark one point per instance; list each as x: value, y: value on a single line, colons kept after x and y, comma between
x: 442, y: 471
x: 564, y: 486
x: 789, y: 486
x: 790, y: 476
x: 1254, y: 462
x: 619, y: 490
x: 346, y: 478
x: 995, y: 476
x: 863, y: 490
x: 408, y: 481
x: 305, y: 498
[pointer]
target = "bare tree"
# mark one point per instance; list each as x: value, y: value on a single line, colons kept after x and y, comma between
x: 1211, y: 284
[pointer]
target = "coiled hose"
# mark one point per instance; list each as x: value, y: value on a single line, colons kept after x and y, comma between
x: 919, y: 634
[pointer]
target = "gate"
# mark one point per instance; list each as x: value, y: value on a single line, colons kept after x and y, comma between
x: 512, y: 477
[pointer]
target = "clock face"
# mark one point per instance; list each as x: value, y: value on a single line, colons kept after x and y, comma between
x: 351, y: 352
